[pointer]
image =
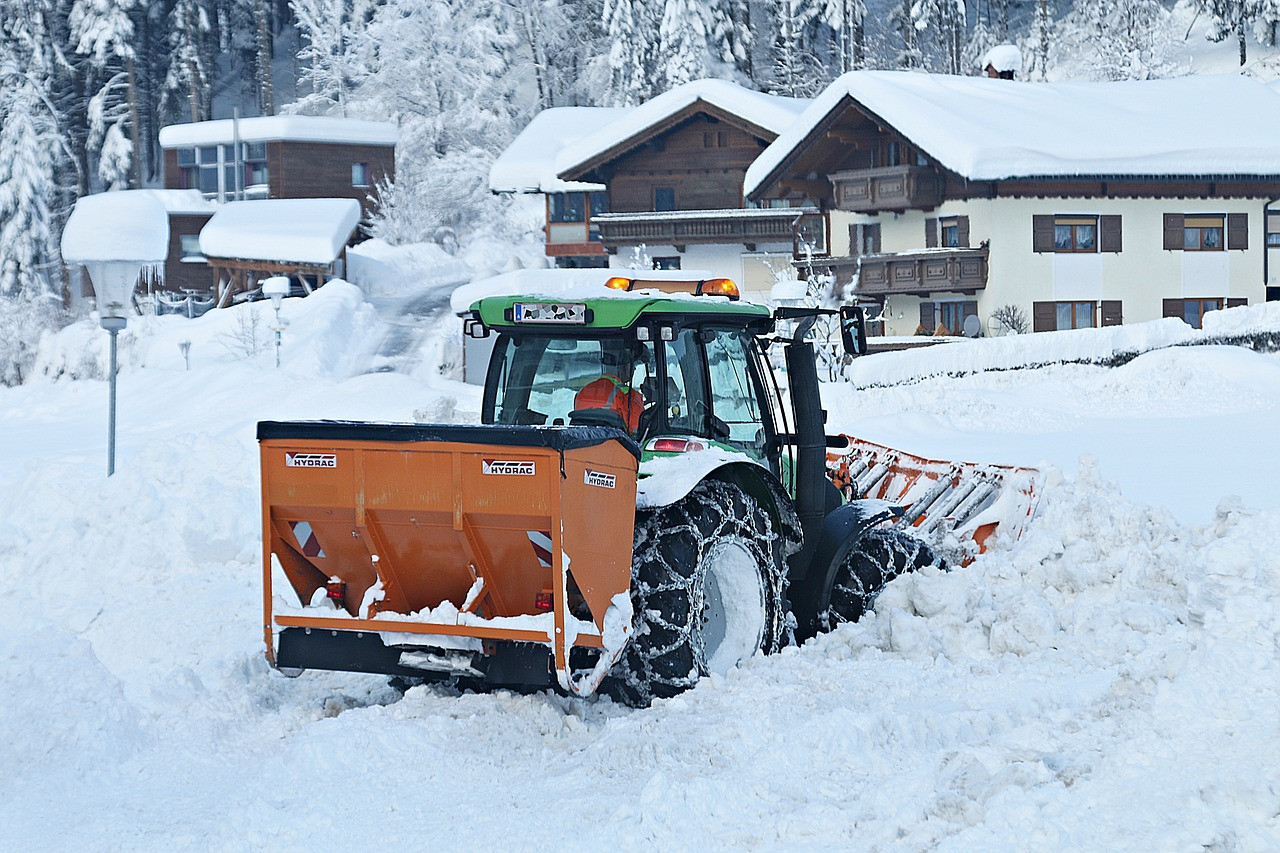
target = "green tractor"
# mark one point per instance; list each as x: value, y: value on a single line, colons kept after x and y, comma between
x: 740, y: 543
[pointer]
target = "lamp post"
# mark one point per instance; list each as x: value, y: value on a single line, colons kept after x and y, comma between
x: 276, y: 288
x: 115, y: 236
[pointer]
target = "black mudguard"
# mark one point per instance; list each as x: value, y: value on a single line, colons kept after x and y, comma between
x: 810, y: 592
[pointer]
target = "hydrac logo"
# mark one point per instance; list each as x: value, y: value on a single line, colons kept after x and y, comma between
x: 311, y: 460
x: 508, y: 467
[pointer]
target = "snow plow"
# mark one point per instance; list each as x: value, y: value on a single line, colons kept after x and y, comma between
x: 641, y: 505
x: 956, y: 506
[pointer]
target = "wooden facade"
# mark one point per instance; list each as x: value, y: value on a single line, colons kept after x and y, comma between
x: 700, y: 155
x: 180, y: 275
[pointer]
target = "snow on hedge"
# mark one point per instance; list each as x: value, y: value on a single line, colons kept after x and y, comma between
x: 1090, y: 346
x: 989, y: 129
x: 292, y: 230
x: 528, y: 164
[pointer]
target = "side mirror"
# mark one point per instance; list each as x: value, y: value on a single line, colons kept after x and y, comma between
x: 853, y: 329
x: 473, y: 327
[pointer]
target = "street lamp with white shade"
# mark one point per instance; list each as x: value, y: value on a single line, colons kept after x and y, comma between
x: 116, y: 236
x: 276, y: 289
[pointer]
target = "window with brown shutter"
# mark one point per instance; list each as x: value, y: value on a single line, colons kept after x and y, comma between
x: 927, y: 320
x: 1043, y: 316
x: 962, y: 231
x: 1171, y: 308
x: 1237, y: 303
x: 931, y: 233
x: 1042, y: 233
x: 1112, y: 313
x: 1237, y: 230
x: 1109, y: 237
x: 1173, y: 232
x: 864, y: 239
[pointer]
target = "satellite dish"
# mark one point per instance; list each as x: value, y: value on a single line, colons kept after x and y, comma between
x: 972, y: 326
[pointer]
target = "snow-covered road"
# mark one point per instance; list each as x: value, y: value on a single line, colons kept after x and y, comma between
x: 1109, y: 682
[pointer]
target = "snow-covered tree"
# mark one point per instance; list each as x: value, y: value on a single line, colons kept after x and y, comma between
x: 683, y: 41
x: 946, y: 21
x: 190, y: 59
x: 1038, y: 43
x: 632, y: 27
x: 795, y: 70
x: 103, y: 32
x: 846, y: 20
x: 729, y: 36
x: 1229, y: 18
x: 902, y: 25
x: 336, y: 49
x: 1120, y: 39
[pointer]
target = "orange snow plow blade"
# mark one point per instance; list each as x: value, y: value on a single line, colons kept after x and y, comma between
x: 965, y: 500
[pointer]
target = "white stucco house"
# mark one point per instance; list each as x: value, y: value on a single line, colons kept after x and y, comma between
x: 1079, y: 204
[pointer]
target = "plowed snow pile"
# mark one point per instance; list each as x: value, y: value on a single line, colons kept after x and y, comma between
x: 1108, y: 682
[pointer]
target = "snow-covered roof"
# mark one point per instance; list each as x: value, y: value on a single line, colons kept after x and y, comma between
x: 1004, y: 57
x: 128, y: 225
x: 181, y: 201
x: 288, y: 230
x: 990, y: 129
x: 348, y: 131
x: 771, y: 112
x: 529, y: 163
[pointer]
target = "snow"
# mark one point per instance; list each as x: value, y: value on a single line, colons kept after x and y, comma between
x: 988, y: 129
x: 286, y: 128
x: 770, y: 112
x: 293, y: 230
x: 129, y: 225
x: 1109, y: 681
x: 527, y: 165
x: 181, y: 201
x: 1004, y: 57
x: 568, y: 284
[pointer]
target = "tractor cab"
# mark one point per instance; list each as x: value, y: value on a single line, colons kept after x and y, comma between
x: 673, y: 378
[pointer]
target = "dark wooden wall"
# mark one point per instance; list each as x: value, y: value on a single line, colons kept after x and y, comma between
x: 704, y: 160
x: 323, y: 170
x: 177, y: 275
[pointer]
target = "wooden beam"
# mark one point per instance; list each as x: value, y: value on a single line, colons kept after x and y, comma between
x: 840, y: 134
x: 812, y: 189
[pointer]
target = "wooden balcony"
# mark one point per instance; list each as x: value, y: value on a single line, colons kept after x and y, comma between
x: 891, y: 188
x: 913, y: 273
x: 682, y: 227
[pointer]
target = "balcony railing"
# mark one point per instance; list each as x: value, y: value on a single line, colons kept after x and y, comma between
x: 887, y: 188
x: 681, y: 227
x: 913, y: 273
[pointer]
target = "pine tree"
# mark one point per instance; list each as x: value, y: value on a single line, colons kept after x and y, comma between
x: 946, y: 20
x: 1232, y: 18
x: 845, y: 21
x: 632, y: 29
x: 682, y: 42
x: 190, y: 60
x: 1036, y: 47
x: 103, y: 32
x: 730, y: 36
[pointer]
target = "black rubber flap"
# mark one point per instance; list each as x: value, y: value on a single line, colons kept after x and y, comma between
x: 557, y: 438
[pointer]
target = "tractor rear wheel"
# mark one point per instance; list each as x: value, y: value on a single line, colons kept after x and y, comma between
x: 877, y: 558
x: 706, y: 589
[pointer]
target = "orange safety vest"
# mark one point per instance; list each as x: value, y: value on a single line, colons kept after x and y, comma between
x: 608, y: 392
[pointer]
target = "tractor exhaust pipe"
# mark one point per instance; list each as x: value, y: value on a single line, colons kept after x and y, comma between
x: 811, y: 442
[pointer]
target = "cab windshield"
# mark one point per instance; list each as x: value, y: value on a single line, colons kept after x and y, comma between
x: 703, y: 383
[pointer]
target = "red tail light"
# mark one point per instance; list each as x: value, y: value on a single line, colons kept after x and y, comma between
x: 337, y: 591
x: 542, y: 601
x: 675, y: 445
